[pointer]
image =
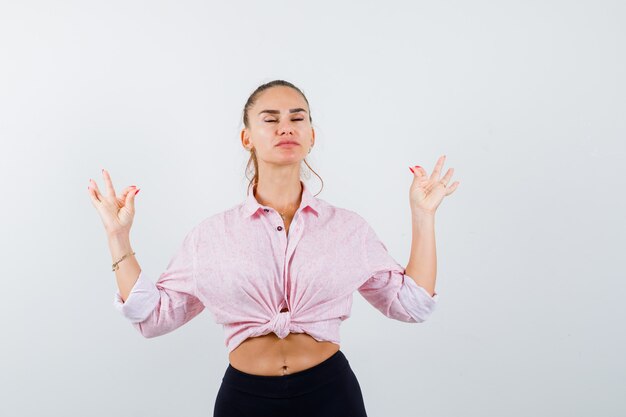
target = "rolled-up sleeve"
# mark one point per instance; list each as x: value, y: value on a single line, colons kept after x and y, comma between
x: 157, y: 308
x: 388, y: 289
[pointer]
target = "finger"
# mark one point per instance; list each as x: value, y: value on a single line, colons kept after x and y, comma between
x: 92, y: 194
x: 94, y: 186
x: 122, y: 198
x: 448, y: 176
x: 418, y: 170
x: 437, y: 170
x: 95, y: 199
x: 108, y: 183
x: 451, y: 189
x: 130, y: 199
x: 419, y: 173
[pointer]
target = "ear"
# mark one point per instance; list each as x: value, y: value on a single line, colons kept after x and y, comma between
x: 313, y: 136
x: 245, y: 139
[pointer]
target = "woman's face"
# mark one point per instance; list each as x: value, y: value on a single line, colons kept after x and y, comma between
x: 279, y: 114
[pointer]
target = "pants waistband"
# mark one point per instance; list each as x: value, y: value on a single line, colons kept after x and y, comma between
x: 281, y: 386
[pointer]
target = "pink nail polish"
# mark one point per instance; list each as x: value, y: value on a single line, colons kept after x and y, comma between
x: 412, y: 170
x: 137, y: 192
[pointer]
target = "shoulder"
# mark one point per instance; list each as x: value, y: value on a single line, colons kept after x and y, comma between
x: 332, y: 210
x: 350, y: 215
x: 349, y: 219
x: 215, y: 223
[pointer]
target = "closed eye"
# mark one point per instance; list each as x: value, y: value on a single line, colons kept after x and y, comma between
x: 294, y: 120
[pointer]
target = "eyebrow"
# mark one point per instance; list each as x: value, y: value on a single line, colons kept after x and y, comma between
x: 299, y: 109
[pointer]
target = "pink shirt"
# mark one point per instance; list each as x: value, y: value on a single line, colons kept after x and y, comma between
x: 241, y: 266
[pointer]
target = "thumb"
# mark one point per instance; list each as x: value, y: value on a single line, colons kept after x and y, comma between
x: 130, y: 198
x: 418, y: 172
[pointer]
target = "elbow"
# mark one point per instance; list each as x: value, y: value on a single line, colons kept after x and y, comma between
x: 419, y: 319
x: 415, y: 313
x: 417, y: 302
x: 420, y: 316
x: 154, y: 327
x: 146, y: 330
x: 147, y: 334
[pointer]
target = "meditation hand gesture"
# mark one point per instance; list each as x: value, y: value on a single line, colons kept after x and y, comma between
x: 116, y: 212
x: 426, y: 192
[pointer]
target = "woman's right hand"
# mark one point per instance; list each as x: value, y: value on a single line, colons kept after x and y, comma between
x: 116, y: 212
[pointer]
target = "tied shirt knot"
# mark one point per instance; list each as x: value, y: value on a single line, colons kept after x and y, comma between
x: 280, y: 323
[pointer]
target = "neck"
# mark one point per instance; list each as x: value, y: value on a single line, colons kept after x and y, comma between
x: 282, y: 195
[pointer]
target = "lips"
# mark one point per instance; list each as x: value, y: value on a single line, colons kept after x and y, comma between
x: 287, y: 142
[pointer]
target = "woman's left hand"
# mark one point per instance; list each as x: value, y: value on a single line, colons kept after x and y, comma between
x: 426, y: 192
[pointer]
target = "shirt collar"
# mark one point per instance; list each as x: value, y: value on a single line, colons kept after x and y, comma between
x: 251, y: 205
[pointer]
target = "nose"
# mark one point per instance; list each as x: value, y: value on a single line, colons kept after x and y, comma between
x: 285, y: 127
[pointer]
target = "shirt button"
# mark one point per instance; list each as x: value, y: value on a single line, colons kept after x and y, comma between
x: 279, y: 228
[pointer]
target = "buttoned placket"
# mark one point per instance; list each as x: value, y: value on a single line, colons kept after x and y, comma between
x: 289, y: 242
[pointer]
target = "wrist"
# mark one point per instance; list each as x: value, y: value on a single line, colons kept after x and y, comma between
x: 422, y: 216
x: 119, y: 245
x: 118, y: 236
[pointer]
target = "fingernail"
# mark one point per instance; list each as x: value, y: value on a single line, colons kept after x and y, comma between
x: 137, y: 192
x: 412, y: 170
x: 133, y: 186
x: 417, y: 166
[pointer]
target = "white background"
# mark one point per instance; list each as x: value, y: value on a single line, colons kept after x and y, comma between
x: 526, y: 99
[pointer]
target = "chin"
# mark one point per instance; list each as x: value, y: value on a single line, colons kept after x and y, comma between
x: 289, y: 161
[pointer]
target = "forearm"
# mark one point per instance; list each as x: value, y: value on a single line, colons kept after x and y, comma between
x: 422, y: 266
x: 128, y: 270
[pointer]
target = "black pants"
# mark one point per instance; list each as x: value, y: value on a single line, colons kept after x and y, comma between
x: 328, y: 389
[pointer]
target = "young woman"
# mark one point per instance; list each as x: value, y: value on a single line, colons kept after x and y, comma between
x: 278, y: 271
